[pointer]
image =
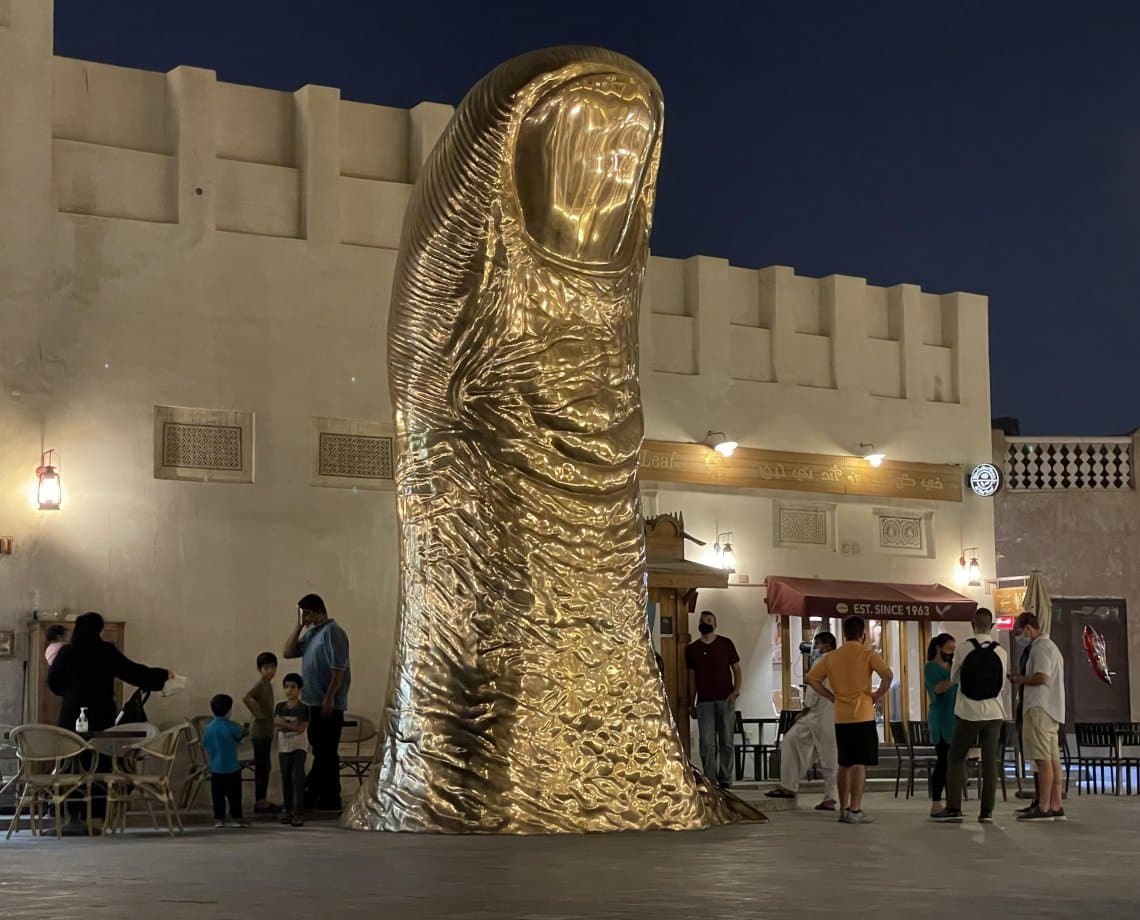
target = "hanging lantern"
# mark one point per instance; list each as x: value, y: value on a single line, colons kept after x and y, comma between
x: 48, y: 493
x: 975, y: 573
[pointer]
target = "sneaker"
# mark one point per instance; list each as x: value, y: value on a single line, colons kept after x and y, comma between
x: 1027, y: 809
x: 948, y: 816
x: 1035, y: 814
x: 297, y: 821
x: 861, y: 817
x: 1059, y: 815
x: 219, y: 824
x: 241, y: 822
x: 985, y: 818
x: 847, y: 816
x: 284, y: 817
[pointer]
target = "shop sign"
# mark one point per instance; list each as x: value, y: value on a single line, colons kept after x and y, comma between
x: 1008, y: 601
x: 751, y: 468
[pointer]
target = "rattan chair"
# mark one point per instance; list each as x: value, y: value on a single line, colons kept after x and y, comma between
x: 198, y: 771
x: 7, y: 754
x: 52, y: 771
x: 145, y: 768
x: 358, y: 744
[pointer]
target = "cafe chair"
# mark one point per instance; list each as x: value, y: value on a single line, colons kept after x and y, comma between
x: 144, y: 768
x: 199, y: 769
x: 1097, y: 749
x: 7, y: 755
x: 52, y: 771
x: 1128, y: 750
x: 922, y: 752
x: 903, y: 751
x: 358, y: 745
x: 746, y: 746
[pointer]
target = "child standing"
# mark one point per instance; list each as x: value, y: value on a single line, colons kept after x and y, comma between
x: 220, y: 739
x: 292, y: 721
x: 259, y: 701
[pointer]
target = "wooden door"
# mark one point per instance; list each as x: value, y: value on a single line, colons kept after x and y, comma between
x: 1087, y: 697
x: 43, y: 705
x: 673, y: 618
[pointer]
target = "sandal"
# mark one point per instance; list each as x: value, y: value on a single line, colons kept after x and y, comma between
x: 779, y: 793
x: 826, y: 805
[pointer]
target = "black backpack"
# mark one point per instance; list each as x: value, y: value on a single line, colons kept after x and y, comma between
x: 982, y: 674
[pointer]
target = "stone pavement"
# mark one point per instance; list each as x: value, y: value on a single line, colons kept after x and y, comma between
x: 800, y: 864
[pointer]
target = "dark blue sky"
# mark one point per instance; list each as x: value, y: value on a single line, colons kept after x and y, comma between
x: 989, y: 147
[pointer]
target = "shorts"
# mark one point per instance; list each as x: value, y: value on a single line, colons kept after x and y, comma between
x: 858, y: 744
x: 1040, y: 736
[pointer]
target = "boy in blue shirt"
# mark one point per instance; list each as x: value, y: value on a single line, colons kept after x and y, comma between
x: 220, y: 739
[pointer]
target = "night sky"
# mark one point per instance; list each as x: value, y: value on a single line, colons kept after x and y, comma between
x: 982, y: 147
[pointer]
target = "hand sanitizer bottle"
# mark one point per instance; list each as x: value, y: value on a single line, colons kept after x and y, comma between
x: 81, y: 722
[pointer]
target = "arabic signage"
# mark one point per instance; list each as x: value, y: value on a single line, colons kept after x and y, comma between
x: 750, y: 468
x: 1008, y: 601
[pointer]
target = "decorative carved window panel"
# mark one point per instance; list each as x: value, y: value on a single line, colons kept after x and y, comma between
x: 203, y: 445
x: 353, y: 454
x: 803, y: 525
x: 905, y: 533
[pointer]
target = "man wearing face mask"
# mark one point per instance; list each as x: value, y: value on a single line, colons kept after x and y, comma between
x: 1044, y: 695
x: 714, y: 685
x: 323, y: 651
x: 813, y: 735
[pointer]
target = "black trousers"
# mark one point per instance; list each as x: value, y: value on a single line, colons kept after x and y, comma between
x: 226, y: 787
x: 261, y: 767
x: 322, y: 785
x: 292, y: 765
x: 938, y: 777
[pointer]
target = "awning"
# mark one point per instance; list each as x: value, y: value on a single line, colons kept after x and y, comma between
x: 875, y: 600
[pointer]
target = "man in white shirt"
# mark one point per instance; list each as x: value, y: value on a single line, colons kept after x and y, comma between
x: 979, y: 669
x: 1044, y: 684
x: 813, y: 734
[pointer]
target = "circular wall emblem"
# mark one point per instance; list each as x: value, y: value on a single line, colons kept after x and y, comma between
x: 841, y: 608
x: 985, y: 479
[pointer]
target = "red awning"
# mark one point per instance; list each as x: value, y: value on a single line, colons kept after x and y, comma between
x: 874, y: 600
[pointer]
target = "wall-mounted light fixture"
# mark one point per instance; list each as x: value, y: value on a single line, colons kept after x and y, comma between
x: 719, y: 442
x: 872, y: 456
x: 969, y: 574
x: 48, y: 493
x: 724, y: 552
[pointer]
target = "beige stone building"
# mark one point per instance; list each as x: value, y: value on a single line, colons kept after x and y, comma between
x: 194, y: 285
x: 1070, y: 509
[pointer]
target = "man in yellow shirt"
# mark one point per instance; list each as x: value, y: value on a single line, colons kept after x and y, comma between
x: 848, y: 672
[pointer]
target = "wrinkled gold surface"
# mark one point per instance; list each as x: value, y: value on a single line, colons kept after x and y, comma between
x: 524, y: 696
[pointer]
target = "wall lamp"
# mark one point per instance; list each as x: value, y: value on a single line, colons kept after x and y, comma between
x: 724, y: 552
x: 872, y: 456
x: 969, y: 574
x: 48, y: 493
x: 719, y: 442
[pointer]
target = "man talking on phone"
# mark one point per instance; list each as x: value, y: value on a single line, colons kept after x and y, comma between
x: 323, y: 650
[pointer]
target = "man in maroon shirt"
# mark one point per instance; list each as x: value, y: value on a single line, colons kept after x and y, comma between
x: 714, y: 685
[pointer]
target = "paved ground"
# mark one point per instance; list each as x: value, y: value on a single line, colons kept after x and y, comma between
x: 800, y: 864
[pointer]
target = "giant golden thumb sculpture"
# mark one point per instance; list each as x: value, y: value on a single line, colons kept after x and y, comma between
x: 524, y: 696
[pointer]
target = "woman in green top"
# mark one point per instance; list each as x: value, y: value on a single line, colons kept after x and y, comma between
x: 940, y: 713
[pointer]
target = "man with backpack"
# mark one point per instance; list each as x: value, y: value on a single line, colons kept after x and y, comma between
x: 979, y: 670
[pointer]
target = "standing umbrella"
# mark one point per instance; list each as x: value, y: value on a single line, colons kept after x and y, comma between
x: 1037, y: 601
